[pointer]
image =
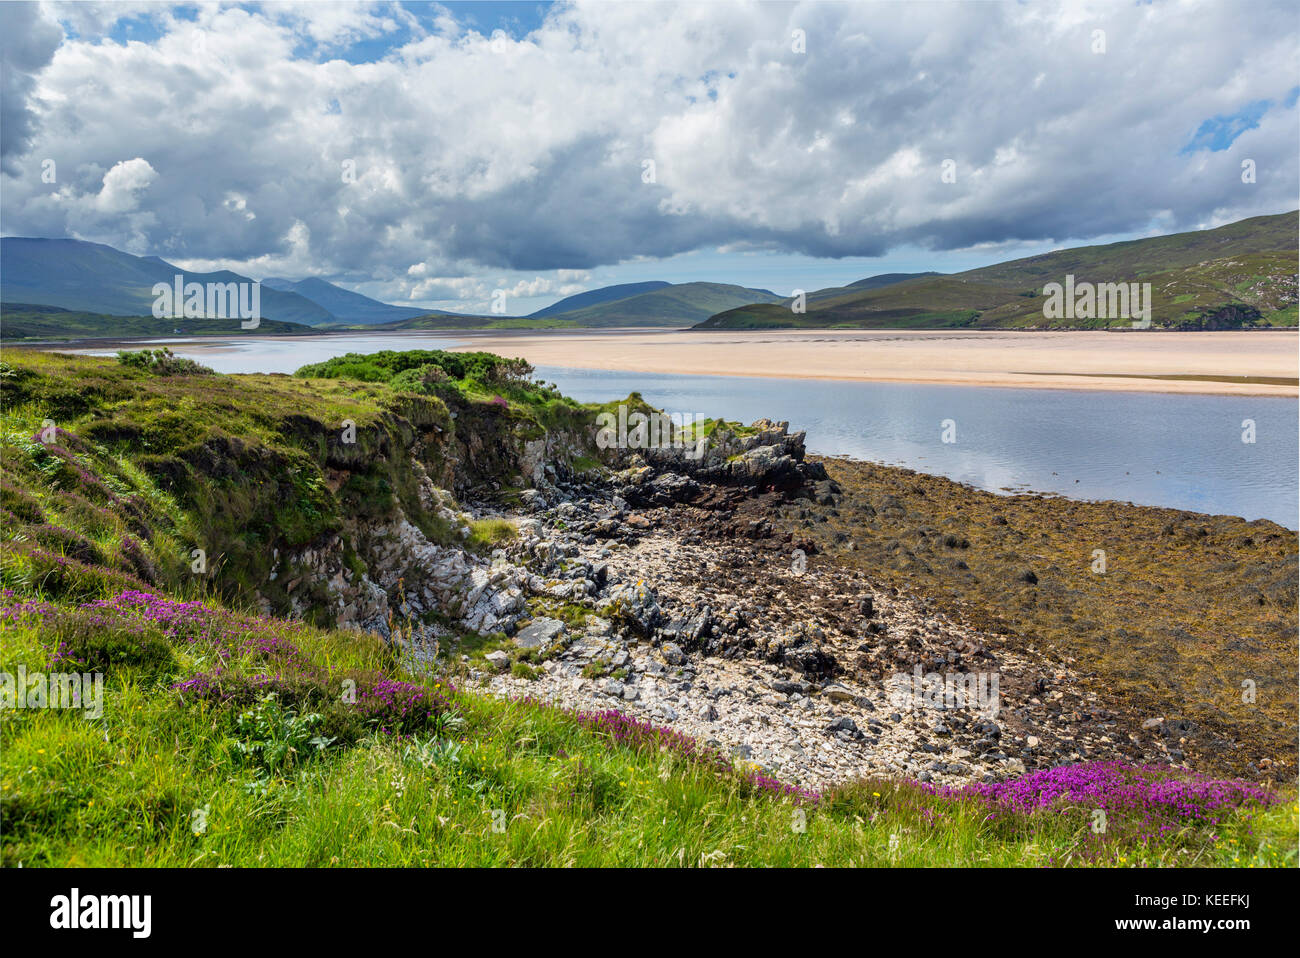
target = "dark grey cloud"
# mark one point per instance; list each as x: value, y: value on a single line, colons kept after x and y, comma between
x: 472, y: 155
x: 28, y: 45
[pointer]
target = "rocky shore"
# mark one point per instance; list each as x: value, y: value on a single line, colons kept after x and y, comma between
x: 667, y: 590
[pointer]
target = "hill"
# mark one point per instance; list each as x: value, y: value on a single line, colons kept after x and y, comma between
x: 629, y: 304
x: 1242, y: 274
x: 680, y: 304
x: 466, y: 321
x: 888, y: 279
x: 346, y: 306
x: 95, y: 278
x: 25, y: 321
x: 871, y: 282
x: 593, y: 297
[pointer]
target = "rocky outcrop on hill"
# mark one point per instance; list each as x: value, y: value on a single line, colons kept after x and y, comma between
x: 766, y: 456
x: 402, y: 574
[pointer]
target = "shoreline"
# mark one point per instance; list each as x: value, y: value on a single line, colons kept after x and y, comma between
x: 1079, y: 361
x: 1241, y: 363
x: 895, y: 573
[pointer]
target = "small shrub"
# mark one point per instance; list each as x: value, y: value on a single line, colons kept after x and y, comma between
x: 271, y: 737
x: 522, y: 670
x: 28, y: 568
x: 421, y: 379
x: 65, y: 542
x: 162, y: 362
x: 350, y: 704
x: 20, y: 503
x: 87, y: 644
x: 132, y: 558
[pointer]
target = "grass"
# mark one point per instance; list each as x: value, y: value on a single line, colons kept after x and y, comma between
x: 151, y: 458
x: 491, y: 533
x: 159, y: 781
x: 235, y: 737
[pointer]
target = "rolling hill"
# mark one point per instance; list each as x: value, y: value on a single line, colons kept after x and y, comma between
x: 645, y: 304
x: 465, y: 321
x: 593, y: 297
x: 27, y: 321
x: 346, y: 306
x: 862, y: 285
x: 94, y: 278
x: 1240, y: 274
x: 680, y: 304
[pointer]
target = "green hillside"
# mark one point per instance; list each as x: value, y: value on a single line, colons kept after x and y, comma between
x: 24, y: 321
x: 457, y: 321
x: 77, y: 275
x: 683, y: 304
x: 592, y: 297
x: 1242, y: 274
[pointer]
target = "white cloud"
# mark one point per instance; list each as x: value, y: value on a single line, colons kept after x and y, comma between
x: 123, y: 185
x: 478, y: 156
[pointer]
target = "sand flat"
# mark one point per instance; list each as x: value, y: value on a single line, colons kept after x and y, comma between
x: 1119, y: 361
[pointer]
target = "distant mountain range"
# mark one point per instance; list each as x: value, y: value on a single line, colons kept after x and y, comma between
x: 1244, y: 273
x: 91, y: 283
x: 96, y: 279
x: 628, y: 304
x: 347, y: 306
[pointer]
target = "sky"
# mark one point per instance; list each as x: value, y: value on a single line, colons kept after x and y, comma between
x: 431, y: 154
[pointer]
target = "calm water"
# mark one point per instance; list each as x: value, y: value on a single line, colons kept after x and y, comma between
x: 1156, y: 449
x: 1149, y: 448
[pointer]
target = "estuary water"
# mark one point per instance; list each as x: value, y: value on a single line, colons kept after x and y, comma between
x: 1159, y: 449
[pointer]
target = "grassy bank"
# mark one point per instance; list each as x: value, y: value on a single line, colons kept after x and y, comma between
x: 231, y: 736
x: 171, y: 776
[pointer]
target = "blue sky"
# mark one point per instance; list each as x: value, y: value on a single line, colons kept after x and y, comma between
x: 514, y: 18
x: 432, y: 154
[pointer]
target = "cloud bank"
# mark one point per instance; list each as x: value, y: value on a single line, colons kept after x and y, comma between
x: 258, y: 137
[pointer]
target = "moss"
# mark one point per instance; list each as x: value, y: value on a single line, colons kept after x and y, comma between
x: 571, y: 614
